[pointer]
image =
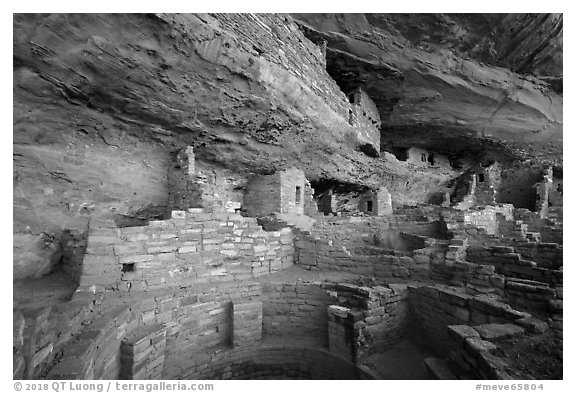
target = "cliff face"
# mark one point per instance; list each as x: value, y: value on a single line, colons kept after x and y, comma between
x: 102, y: 101
x: 432, y: 86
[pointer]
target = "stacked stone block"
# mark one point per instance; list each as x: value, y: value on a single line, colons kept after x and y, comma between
x: 100, y: 267
x: 193, y: 247
x: 295, y: 311
x: 530, y: 293
x: 183, y: 189
x: 247, y: 323
x: 486, y: 218
x: 366, y: 118
x: 483, y: 279
x: 547, y: 255
x: 316, y: 253
x: 142, y: 353
x: 94, y: 353
x: 196, y: 323
x: 437, y: 307
x: 474, y: 352
x: 39, y: 335
x: 511, y: 264
x: 284, y: 192
x: 487, y: 190
x: 363, y: 321
x: 380, y: 202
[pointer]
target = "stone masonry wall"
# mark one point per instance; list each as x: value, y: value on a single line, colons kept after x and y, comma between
x: 292, y: 191
x: 473, y: 352
x: 548, y: 255
x: 193, y: 322
x: 262, y: 196
x: 365, y: 118
x: 511, y: 264
x: 317, y: 254
x: 363, y: 321
x: 142, y: 353
x: 39, y: 334
x: 551, y: 231
x: 487, y: 190
x: 274, y: 362
x: 295, y: 311
x: 94, y: 353
x: 435, y: 308
x: 267, y: 35
x: 277, y: 193
x: 194, y: 247
x: 486, y: 217
x: 183, y: 192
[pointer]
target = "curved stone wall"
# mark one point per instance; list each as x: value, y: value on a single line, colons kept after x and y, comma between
x: 277, y: 363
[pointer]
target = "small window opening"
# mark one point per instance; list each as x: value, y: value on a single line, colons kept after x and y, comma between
x: 350, y: 117
x: 298, y: 194
x: 559, y: 188
x: 481, y: 178
x: 431, y: 159
x: 351, y: 98
x: 423, y: 157
x: 369, y: 206
x: 127, y: 267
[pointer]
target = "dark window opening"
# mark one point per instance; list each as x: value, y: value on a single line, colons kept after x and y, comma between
x: 431, y: 159
x: 549, y: 204
x: 127, y: 267
x: 481, y: 178
x: 369, y: 206
x: 298, y: 194
x: 350, y: 117
x: 423, y: 157
x: 351, y: 98
x: 559, y: 188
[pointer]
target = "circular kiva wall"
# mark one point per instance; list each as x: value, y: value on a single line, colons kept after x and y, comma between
x: 278, y: 362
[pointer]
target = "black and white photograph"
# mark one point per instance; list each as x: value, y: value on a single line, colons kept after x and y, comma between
x: 287, y: 196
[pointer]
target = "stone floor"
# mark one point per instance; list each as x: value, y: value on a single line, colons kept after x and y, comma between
x: 404, y: 361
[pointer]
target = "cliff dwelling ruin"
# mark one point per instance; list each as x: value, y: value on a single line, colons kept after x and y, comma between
x: 274, y: 196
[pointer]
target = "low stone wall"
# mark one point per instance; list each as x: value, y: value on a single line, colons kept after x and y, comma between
x: 142, y: 353
x: 435, y: 308
x: 363, y: 321
x: 552, y: 234
x: 94, y: 352
x: 511, y: 264
x: 318, y: 254
x: 486, y: 218
x: 548, y: 255
x: 432, y: 229
x: 178, y: 330
x: 295, y: 311
x: 529, y: 294
x: 551, y: 230
x: 194, y: 247
x: 39, y: 334
x: 472, y: 348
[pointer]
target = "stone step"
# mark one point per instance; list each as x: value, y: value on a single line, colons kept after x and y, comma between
x: 439, y: 369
